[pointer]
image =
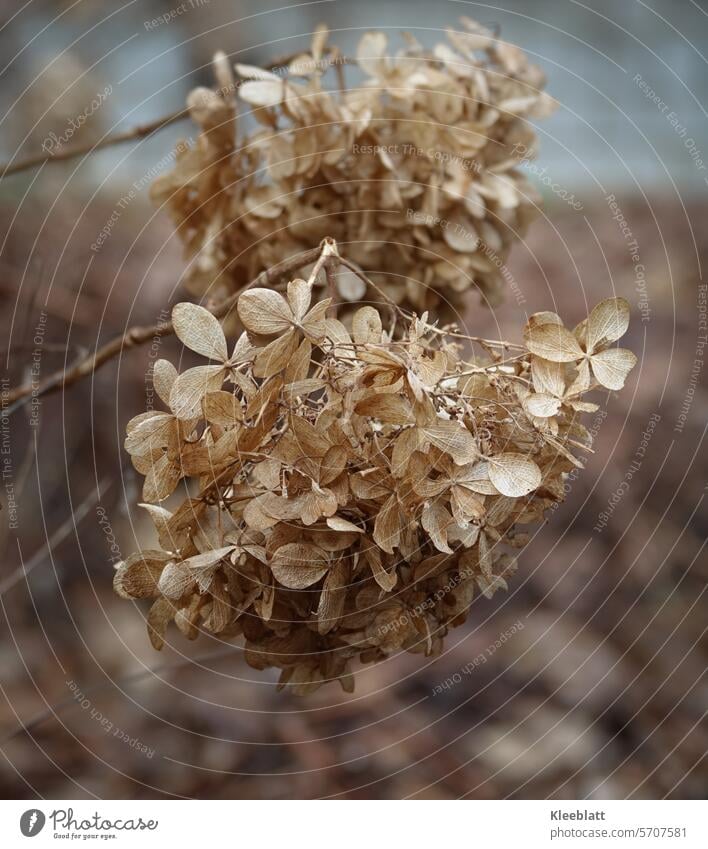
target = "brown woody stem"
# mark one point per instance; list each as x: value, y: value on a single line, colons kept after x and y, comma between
x: 139, y: 132
x: 74, y: 151
x: 136, y: 336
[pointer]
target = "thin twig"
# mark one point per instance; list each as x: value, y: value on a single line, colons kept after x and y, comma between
x: 136, y: 336
x: 339, y: 62
x: 329, y: 260
x: 328, y: 248
x: 393, y: 307
x: 330, y: 273
x: 499, y: 343
x: 139, y: 132
x: 72, y: 152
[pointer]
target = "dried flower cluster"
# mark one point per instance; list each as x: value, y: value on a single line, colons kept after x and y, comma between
x: 345, y: 493
x: 413, y: 167
x: 348, y: 483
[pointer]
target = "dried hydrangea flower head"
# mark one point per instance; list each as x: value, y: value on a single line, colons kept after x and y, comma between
x: 348, y: 493
x: 414, y: 167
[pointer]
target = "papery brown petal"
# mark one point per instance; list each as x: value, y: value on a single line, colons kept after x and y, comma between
x: 276, y: 355
x: 161, y: 479
x: 386, y: 580
x: 389, y: 409
x: 137, y: 577
x: 220, y: 608
x: 176, y: 580
x: 299, y: 565
x: 371, y: 52
x: 319, y: 41
x: 436, y: 520
x: 161, y: 614
x: 612, y: 366
x: 267, y: 473
x: 607, y: 322
x: 222, y: 408
x: 310, y: 442
x: 349, y: 285
x: 205, y: 106
x: 514, y: 474
x: 406, y: 444
x: 315, y: 322
x: 303, y: 388
x: 151, y: 433
x: 454, y: 439
x: 485, y: 557
x: 541, y: 405
x: 207, y: 558
x: 256, y: 516
x: 477, y: 386
x: 186, y: 618
x: 431, y: 567
x: 366, y: 326
x: 262, y: 92
x: 160, y: 519
x: 317, y: 504
x: 428, y: 488
x: 548, y: 377
x: 500, y: 510
x: 338, y: 334
x: 461, y: 235
x: 387, y: 528
x: 299, y: 298
x: 333, y: 597
x: 266, y: 602
x: 430, y: 370
x: 252, y: 72
x: 581, y: 382
x: 552, y: 342
x: 466, y: 506
x: 264, y: 311
x: 476, y: 478
x: 299, y: 366
x: 369, y: 486
x: 164, y: 375
x: 191, y: 386
x: 340, y: 487
x: 136, y: 421
x: 243, y: 350
x: 584, y: 406
x: 489, y: 587
x: 264, y: 400
x: 333, y: 464
x: 337, y: 523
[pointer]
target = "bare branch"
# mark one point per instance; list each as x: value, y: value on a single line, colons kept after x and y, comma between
x: 139, y: 132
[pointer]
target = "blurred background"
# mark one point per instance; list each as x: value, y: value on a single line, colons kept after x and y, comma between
x: 588, y: 678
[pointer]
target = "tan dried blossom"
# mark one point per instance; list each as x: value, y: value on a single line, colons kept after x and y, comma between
x: 414, y: 167
x: 347, y: 493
